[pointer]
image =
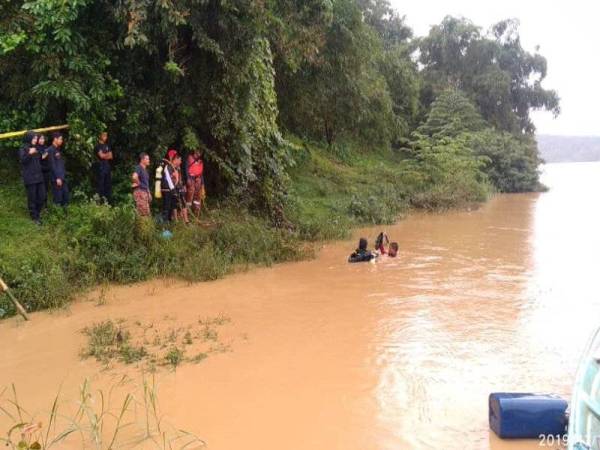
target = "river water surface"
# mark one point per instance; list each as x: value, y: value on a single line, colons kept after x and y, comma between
x: 399, y: 354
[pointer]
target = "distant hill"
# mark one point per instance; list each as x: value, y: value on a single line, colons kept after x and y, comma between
x: 569, y: 148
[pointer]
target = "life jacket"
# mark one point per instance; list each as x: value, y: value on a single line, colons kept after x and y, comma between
x: 195, y: 167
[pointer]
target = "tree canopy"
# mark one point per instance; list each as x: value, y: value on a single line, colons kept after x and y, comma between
x: 451, y: 114
x: 492, y: 68
x: 235, y: 76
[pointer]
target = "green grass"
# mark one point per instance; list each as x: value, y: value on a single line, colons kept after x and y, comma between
x: 174, y: 357
x: 329, y: 196
x: 107, y: 340
x: 331, y: 191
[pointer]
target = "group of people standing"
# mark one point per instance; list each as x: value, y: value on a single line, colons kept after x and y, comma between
x: 43, y: 170
x: 180, y: 188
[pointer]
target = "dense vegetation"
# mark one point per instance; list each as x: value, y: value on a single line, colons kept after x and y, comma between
x: 314, y: 115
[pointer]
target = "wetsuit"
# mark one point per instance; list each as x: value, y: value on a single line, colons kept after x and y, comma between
x: 361, y: 256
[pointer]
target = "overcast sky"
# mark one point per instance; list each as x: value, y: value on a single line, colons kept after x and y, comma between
x: 568, y: 35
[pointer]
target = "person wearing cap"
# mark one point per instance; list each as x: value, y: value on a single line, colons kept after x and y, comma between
x: 33, y: 178
x: 58, y: 173
x: 105, y: 156
x: 167, y: 186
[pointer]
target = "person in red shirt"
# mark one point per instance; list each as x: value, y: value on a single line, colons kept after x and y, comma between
x: 195, y: 181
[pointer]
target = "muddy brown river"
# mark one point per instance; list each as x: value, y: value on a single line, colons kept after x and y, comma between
x: 397, y: 354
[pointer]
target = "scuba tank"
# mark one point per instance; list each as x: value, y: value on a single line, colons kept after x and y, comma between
x: 158, y: 179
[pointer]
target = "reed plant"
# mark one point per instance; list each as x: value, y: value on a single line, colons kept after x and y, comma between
x: 122, y: 417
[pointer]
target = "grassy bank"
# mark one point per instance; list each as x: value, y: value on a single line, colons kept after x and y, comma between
x: 331, y: 191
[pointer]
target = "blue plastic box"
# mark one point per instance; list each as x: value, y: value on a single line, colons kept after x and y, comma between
x: 514, y: 415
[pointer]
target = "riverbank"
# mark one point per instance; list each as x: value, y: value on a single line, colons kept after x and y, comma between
x: 331, y: 191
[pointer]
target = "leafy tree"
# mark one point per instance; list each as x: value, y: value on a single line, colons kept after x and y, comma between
x: 173, y: 73
x: 451, y: 114
x: 450, y: 174
x: 511, y: 163
x: 503, y: 80
x: 395, y: 63
x: 403, y: 85
x: 297, y: 31
x: 444, y: 50
x: 343, y: 94
x: 55, y: 67
x: 386, y: 21
x: 227, y: 75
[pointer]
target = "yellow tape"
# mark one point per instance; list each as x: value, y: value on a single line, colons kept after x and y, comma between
x: 14, y: 134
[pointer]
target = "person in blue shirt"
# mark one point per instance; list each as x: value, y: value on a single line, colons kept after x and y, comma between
x: 58, y: 173
x: 140, y: 183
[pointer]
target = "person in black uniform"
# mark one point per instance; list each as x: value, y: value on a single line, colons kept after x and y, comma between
x: 60, y: 188
x: 105, y: 157
x: 41, y: 148
x: 31, y: 169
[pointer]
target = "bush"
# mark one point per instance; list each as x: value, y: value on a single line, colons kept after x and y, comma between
x: 382, y: 206
x: 451, y: 174
x: 204, y: 264
x: 323, y: 228
x: 94, y: 243
x: 253, y: 241
x: 112, y: 241
x: 36, y: 276
x: 511, y: 163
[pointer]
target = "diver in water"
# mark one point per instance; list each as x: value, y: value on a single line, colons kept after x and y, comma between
x: 380, y: 242
x: 361, y: 254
